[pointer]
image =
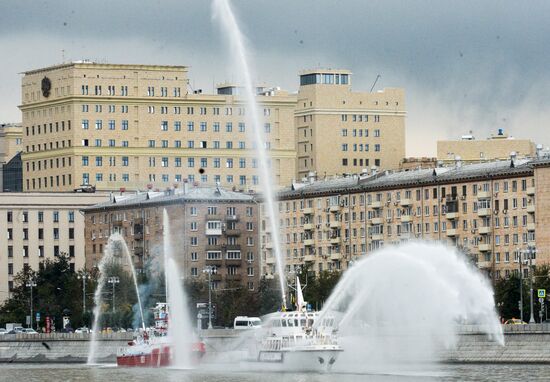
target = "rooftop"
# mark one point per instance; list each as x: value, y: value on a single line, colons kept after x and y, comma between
x: 413, y: 178
x: 91, y: 64
x: 192, y: 194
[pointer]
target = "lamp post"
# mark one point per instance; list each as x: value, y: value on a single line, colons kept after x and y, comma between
x: 530, y: 251
x: 210, y: 270
x: 113, y: 280
x: 84, y: 276
x: 31, y: 283
x: 520, y: 284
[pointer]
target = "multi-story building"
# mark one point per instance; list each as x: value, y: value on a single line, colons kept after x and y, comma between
x: 490, y: 210
x: 140, y: 126
x: 208, y: 227
x: 40, y: 226
x: 358, y: 129
x: 496, y: 147
x: 10, y: 140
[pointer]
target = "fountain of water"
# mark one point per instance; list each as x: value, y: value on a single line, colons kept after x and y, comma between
x: 223, y: 13
x: 404, y: 304
x: 115, y: 244
x: 180, y: 330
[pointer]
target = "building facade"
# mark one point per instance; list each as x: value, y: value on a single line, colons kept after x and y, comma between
x: 491, y: 211
x: 141, y: 126
x: 359, y: 129
x: 208, y: 227
x: 11, y: 139
x: 497, y: 147
x: 40, y: 226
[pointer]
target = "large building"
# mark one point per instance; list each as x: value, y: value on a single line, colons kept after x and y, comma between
x: 135, y: 127
x: 141, y: 126
x: 11, y: 138
x: 208, y: 227
x: 340, y: 131
x: 40, y: 226
x: 490, y: 210
x: 497, y: 147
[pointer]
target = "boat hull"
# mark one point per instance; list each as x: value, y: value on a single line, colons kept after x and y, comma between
x: 158, y: 356
x: 314, y: 360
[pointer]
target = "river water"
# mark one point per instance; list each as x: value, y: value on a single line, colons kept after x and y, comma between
x: 34, y: 372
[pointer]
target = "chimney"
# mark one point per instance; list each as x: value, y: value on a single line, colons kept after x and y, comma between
x: 312, y: 177
x: 458, y: 161
x: 374, y: 170
x: 539, y: 151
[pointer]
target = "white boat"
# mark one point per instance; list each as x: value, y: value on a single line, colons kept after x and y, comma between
x: 295, y: 341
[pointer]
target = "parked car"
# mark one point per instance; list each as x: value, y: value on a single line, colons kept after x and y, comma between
x: 82, y: 330
x: 515, y: 321
x: 3, y: 331
x: 29, y: 331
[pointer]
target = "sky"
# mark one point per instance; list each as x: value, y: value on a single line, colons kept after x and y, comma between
x: 465, y: 65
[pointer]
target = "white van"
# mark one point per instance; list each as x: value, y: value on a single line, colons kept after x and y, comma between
x: 245, y: 322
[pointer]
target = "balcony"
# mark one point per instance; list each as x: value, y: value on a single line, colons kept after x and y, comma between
x: 309, y: 226
x: 309, y: 242
x: 232, y: 232
x: 308, y: 211
x: 231, y: 247
x: 216, y: 277
x: 376, y: 221
x: 484, y: 264
x: 117, y: 223
x: 406, y: 218
x: 531, y: 209
x: 269, y: 245
x: 452, y: 215
x: 452, y: 232
x: 334, y: 208
x: 335, y: 240
x: 138, y: 251
x: 484, y: 211
x: 335, y: 256
x: 376, y: 204
x: 213, y: 231
x: 484, y: 247
x: 214, y: 217
x: 232, y: 218
x: 335, y: 224
x: 234, y: 262
x: 377, y: 237
x: 216, y: 262
x: 309, y: 258
x: 213, y: 247
x: 406, y: 202
x: 530, y: 191
x: 138, y: 236
x: 484, y: 230
x: 234, y: 277
x: 270, y: 260
x: 483, y: 195
x: 530, y: 226
x: 138, y: 221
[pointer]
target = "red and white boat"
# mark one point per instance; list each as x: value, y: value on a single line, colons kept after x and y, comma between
x: 153, y: 348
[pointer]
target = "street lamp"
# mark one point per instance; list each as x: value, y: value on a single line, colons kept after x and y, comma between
x: 531, y: 251
x: 31, y: 283
x: 84, y: 276
x: 520, y: 284
x: 210, y: 270
x: 113, y: 280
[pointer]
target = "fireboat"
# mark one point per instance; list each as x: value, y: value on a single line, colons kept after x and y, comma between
x: 152, y: 348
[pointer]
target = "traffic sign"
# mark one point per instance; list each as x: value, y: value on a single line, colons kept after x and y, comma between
x: 37, y: 316
x: 541, y: 293
x: 541, y: 300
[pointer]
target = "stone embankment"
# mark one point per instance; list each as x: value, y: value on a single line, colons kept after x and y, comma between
x: 523, y: 344
x: 60, y: 347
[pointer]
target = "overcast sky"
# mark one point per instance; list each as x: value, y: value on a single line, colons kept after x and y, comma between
x: 465, y: 65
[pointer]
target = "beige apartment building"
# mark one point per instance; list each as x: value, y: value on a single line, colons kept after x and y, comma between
x: 498, y: 146
x: 40, y: 226
x: 11, y: 138
x: 209, y: 227
x: 490, y: 210
x: 142, y: 127
x: 339, y: 131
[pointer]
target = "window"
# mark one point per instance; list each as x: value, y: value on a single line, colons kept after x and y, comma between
x: 85, y: 124
x: 177, y: 126
x: 85, y: 161
x: 164, y: 125
x: 190, y: 162
x: 190, y: 126
x: 71, y: 216
x: 98, y: 124
x: 229, y: 127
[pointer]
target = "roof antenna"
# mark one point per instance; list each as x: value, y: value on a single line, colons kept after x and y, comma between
x: 375, y: 81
